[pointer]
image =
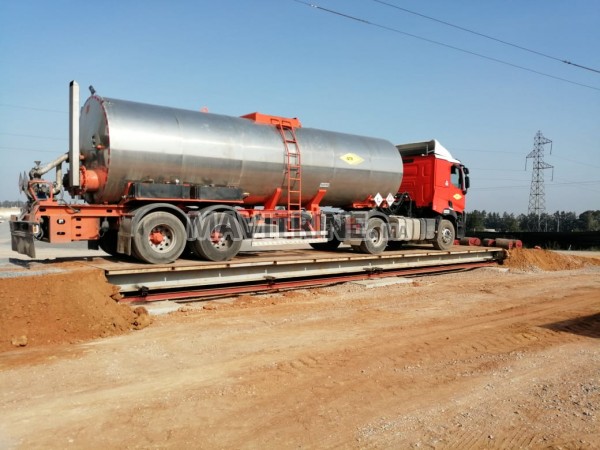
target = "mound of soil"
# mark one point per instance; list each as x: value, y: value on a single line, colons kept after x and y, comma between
x: 545, y: 260
x: 70, y: 305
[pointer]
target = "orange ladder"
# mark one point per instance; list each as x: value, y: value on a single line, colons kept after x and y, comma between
x: 293, y: 172
x: 292, y: 182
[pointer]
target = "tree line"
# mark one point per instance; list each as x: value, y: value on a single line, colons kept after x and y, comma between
x: 12, y: 204
x: 560, y: 221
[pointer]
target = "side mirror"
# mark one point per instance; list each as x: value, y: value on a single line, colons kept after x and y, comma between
x: 466, y: 180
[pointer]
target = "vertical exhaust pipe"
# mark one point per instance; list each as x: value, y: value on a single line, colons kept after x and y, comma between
x: 74, y: 181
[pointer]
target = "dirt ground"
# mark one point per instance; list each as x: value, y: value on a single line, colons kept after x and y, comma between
x: 493, y: 358
x: 66, y: 303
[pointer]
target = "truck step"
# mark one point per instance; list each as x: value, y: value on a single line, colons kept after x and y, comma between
x: 291, y: 241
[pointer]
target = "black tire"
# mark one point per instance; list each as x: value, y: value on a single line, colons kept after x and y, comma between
x: 376, y: 237
x: 108, y: 242
x: 395, y: 245
x: 220, y: 238
x: 444, y: 238
x: 159, y: 238
x: 328, y: 246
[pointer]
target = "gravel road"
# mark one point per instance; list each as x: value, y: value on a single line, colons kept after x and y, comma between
x: 482, y: 359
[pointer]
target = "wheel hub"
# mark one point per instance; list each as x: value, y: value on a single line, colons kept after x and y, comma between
x: 446, y: 236
x: 221, y: 239
x: 156, y: 237
x: 160, y: 238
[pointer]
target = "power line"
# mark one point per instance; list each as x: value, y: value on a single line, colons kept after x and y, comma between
x: 29, y: 149
x: 487, y: 36
x: 573, y: 161
x: 576, y: 162
x: 525, y: 186
x: 587, y: 183
x: 461, y: 149
x: 32, y: 108
x: 431, y: 41
x: 496, y: 169
x: 34, y: 136
x: 504, y: 179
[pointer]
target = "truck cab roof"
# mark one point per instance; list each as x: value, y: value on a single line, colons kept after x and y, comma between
x: 426, y: 148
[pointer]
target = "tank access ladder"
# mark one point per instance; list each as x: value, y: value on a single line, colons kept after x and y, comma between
x: 293, y: 173
x: 292, y: 182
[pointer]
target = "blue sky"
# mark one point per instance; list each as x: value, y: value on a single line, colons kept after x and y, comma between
x: 285, y: 58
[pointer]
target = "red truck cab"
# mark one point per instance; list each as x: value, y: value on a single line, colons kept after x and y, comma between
x: 434, y: 183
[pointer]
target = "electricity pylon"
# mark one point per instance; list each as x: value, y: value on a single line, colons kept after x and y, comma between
x: 537, y: 196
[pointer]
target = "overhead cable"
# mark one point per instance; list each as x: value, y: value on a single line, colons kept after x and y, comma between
x: 574, y: 183
x: 32, y: 108
x: 391, y: 5
x: 27, y: 149
x: 33, y: 136
x: 431, y: 41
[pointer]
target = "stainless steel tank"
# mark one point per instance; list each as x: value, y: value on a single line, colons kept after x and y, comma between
x: 125, y: 141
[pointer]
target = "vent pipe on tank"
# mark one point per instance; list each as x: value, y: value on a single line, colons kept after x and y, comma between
x: 74, y: 135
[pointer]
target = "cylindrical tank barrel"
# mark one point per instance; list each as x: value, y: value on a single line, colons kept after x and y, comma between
x: 123, y: 142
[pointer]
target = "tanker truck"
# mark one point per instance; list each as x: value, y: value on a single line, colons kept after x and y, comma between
x: 155, y: 183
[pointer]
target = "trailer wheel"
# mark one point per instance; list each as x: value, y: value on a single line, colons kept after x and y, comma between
x: 444, y: 238
x: 220, y: 238
x: 159, y: 238
x: 376, y: 237
x: 108, y: 242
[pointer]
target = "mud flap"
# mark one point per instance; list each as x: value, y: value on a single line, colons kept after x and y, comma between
x: 125, y: 236
x: 21, y: 238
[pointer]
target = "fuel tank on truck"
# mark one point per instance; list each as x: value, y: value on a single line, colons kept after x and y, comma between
x: 123, y: 141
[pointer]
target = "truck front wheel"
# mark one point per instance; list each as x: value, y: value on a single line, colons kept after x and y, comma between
x: 444, y: 238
